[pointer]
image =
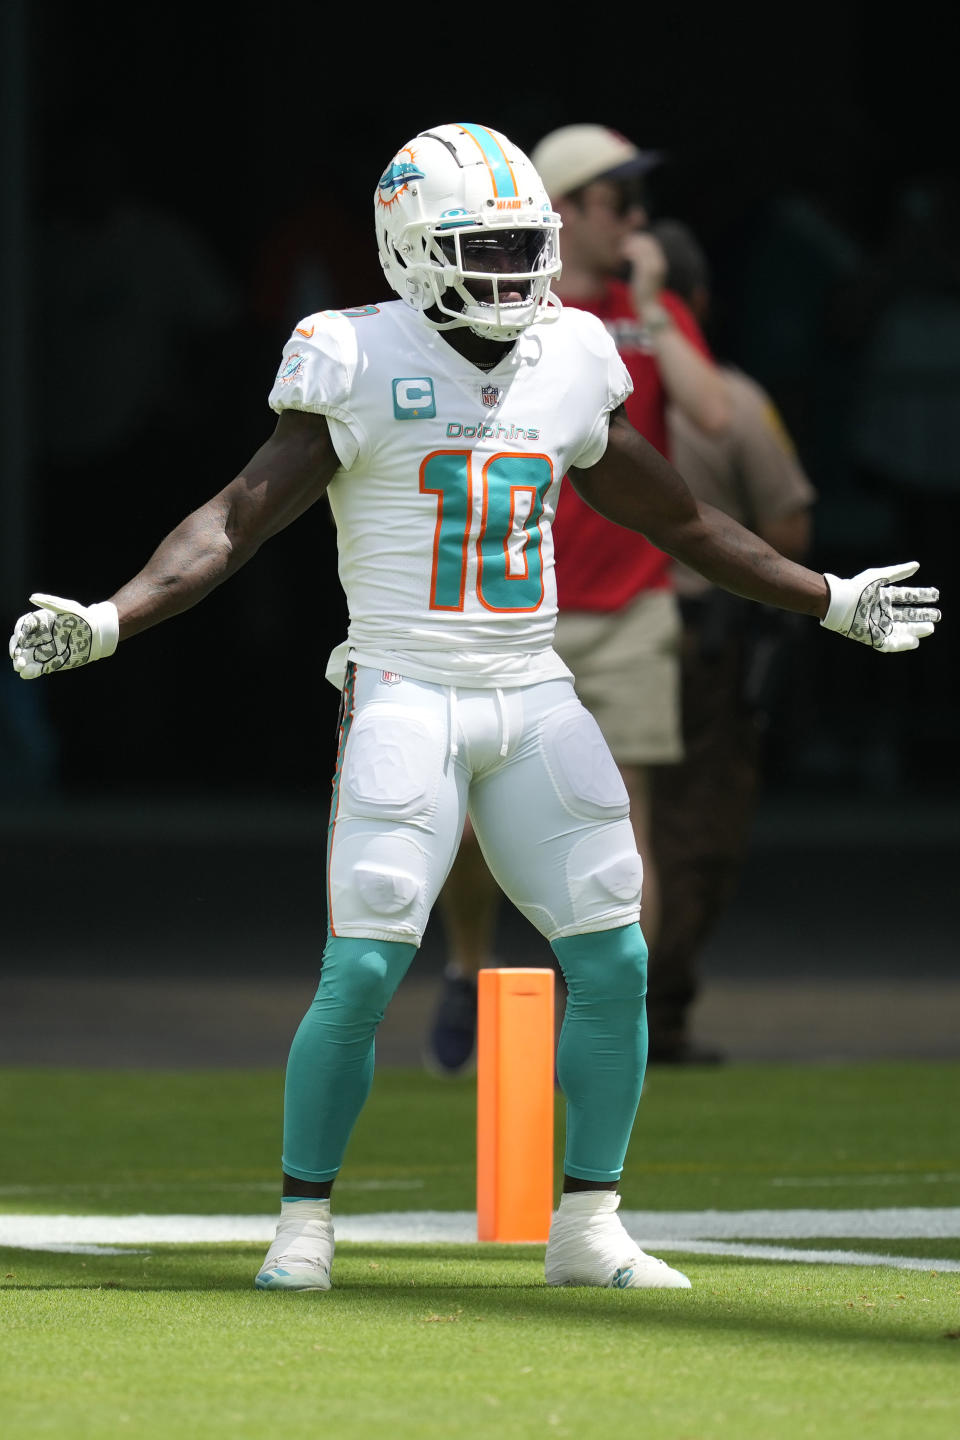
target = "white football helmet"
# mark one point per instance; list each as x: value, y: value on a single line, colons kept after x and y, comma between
x: 466, y: 232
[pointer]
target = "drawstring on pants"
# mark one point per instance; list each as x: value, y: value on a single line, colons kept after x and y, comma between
x: 453, y: 748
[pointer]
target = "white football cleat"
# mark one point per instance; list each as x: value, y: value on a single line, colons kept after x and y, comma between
x: 301, y: 1255
x: 589, y: 1246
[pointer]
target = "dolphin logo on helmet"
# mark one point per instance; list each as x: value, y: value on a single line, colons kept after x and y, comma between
x: 395, y: 179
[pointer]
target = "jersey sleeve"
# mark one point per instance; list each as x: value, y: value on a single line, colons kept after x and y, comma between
x: 316, y: 374
x: 605, y: 369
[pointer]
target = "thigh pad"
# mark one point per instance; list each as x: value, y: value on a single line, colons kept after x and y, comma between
x: 392, y: 765
x: 578, y: 760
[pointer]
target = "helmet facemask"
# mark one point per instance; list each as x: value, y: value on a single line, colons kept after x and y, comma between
x: 495, y: 279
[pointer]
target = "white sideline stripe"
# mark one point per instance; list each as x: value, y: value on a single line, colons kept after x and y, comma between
x: 805, y: 1257
x: 888, y: 1223
x: 703, y: 1232
x: 720, y: 1247
x: 688, y: 1247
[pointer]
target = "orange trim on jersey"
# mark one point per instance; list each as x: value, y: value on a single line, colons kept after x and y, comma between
x: 516, y: 490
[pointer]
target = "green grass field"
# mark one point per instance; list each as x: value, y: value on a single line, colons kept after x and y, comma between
x: 450, y: 1340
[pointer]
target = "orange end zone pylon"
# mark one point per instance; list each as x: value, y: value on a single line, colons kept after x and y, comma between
x: 515, y: 1096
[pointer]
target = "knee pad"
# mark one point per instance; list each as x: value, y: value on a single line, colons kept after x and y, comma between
x: 583, y: 772
x: 392, y: 766
x: 378, y: 883
x: 605, y: 871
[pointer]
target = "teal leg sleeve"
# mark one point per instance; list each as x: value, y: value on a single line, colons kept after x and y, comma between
x: 330, y: 1069
x: 602, y: 1052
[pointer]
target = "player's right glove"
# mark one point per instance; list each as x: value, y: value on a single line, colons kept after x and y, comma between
x: 888, y: 617
x: 62, y: 635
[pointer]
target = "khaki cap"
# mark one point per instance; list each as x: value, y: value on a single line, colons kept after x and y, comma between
x: 575, y: 155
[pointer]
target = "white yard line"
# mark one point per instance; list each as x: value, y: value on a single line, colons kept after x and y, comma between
x: 703, y: 1232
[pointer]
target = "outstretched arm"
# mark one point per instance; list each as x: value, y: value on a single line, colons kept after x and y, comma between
x: 282, y: 480
x: 634, y: 486
x: 287, y: 475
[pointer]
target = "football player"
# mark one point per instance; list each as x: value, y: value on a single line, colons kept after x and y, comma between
x: 440, y: 424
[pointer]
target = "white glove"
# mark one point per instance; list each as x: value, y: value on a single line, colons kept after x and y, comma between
x: 888, y: 617
x: 62, y: 636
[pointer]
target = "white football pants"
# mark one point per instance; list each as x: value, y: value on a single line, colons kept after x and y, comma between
x: 530, y: 765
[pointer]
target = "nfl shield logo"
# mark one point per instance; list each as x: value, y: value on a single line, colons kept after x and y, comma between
x: 490, y: 394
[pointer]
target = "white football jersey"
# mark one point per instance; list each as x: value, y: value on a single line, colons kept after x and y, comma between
x: 448, y: 483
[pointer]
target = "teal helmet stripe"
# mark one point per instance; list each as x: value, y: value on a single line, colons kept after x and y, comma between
x: 497, y: 163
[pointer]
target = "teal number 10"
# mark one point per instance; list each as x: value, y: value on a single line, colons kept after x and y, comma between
x: 509, y: 553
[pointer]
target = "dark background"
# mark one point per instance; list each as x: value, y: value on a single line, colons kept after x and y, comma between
x: 186, y: 182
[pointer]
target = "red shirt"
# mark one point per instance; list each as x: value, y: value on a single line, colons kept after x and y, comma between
x: 602, y: 566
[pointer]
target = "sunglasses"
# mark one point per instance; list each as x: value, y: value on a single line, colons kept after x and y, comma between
x: 620, y: 196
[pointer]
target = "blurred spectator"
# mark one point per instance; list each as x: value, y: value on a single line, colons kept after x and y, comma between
x: 732, y: 657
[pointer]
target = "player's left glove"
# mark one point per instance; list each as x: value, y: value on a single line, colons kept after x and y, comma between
x: 888, y: 617
x: 62, y: 635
